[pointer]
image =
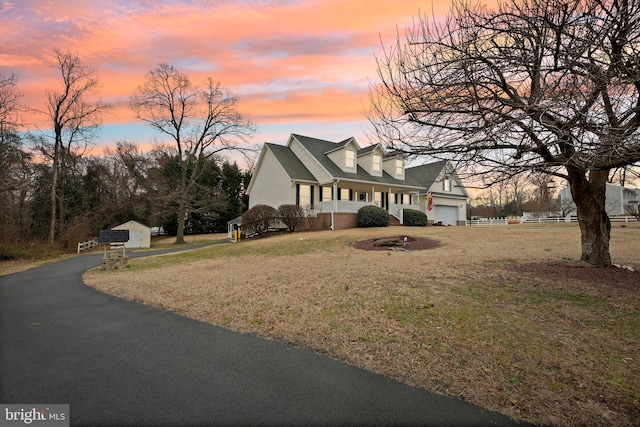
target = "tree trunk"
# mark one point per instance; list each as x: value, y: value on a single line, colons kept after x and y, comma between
x: 180, y: 230
x: 61, y: 203
x: 589, y: 195
x: 182, y: 203
x: 54, y: 190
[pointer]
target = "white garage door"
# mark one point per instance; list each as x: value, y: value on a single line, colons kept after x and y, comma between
x: 135, y: 239
x: 448, y: 215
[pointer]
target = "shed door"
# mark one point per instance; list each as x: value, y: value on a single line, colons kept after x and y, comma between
x: 448, y: 215
x: 135, y: 239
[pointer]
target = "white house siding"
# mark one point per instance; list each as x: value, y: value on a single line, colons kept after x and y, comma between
x: 448, y: 210
x: 309, y: 161
x: 617, y: 197
x: 273, y: 186
x: 339, y: 157
x: 389, y: 166
x: 139, y: 234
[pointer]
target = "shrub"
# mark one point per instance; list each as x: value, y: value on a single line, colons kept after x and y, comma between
x: 312, y: 216
x: 372, y: 216
x: 292, y: 216
x: 414, y: 218
x: 259, y: 219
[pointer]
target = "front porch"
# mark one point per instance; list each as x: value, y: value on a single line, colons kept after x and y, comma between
x: 352, y: 207
x: 337, y: 203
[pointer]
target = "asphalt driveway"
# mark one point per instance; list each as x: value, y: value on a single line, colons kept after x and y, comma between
x: 117, y: 362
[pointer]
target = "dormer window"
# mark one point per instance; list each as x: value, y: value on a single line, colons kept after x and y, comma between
x: 399, y: 167
x: 350, y: 159
x: 376, y: 165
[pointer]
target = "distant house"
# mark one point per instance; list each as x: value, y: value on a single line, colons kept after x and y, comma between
x: 336, y: 179
x: 139, y: 234
x: 619, y: 200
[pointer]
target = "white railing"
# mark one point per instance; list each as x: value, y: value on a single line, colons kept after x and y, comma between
x: 398, y: 210
x: 625, y: 219
x: 548, y: 220
x: 487, y: 222
x: 574, y: 219
x: 343, y: 206
x: 89, y: 244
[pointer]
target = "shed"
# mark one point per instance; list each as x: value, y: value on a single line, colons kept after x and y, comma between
x: 233, y: 225
x: 139, y: 234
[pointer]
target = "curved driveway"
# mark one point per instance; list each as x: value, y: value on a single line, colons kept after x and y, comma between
x: 117, y: 362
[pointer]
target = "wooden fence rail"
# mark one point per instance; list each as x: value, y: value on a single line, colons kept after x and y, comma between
x: 89, y: 244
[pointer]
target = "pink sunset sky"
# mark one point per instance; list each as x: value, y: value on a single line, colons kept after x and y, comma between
x: 297, y: 66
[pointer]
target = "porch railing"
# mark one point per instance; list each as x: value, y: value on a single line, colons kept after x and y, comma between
x: 398, y: 211
x: 344, y: 206
x: 347, y: 206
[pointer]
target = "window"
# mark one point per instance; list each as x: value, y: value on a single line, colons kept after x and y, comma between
x: 345, y: 194
x: 446, y: 185
x: 350, y: 159
x: 406, y: 199
x: 377, y: 163
x: 399, y: 167
x: 304, y: 198
x: 327, y: 193
x: 378, y: 199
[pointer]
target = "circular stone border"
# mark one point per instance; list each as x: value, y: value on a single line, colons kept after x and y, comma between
x: 413, y: 244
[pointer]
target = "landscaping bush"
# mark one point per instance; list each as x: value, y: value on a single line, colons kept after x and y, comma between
x: 414, y: 218
x: 259, y: 219
x: 372, y: 216
x: 292, y: 216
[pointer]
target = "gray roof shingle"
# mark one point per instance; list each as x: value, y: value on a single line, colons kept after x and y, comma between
x: 290, y: 162
x: 318, y: 149
x: 421, y: 177
x: 424, y: 175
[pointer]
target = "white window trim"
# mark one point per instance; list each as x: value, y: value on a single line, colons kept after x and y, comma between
x: 350, y: 159
x: 399, y: 167
x: 376, y: 163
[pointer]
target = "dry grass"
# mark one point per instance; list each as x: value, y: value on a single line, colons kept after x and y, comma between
x: 480, y: 317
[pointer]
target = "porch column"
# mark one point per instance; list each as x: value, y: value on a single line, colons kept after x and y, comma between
x: 334, y: 196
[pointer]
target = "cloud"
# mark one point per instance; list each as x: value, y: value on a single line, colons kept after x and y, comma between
x: 291, y: 61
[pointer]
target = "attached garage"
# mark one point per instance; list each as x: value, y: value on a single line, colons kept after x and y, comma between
x: 447, y: 215
x: 139, y: 234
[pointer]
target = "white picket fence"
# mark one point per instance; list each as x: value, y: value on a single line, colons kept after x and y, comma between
x: 548, y: 220
x: 574, y: 219
x: 504, y: 221
x: 89, y: 244
x: 487, y: 222
x: 625, y: 219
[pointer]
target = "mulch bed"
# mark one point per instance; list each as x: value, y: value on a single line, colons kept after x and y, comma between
x: 609, y: 279
x: 413, y: 244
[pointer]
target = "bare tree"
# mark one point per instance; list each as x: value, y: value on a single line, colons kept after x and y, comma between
x: 15, y: 164
x: 10, y: 142
x: 202, y: 121
x: 129, y: 168
x: 75, y: 120
x: 9, y: 105
x: 537, y: 85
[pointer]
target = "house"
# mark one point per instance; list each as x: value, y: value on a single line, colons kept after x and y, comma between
x: 139, y: 234
x: 337, y: 179
x: 619, y: 200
